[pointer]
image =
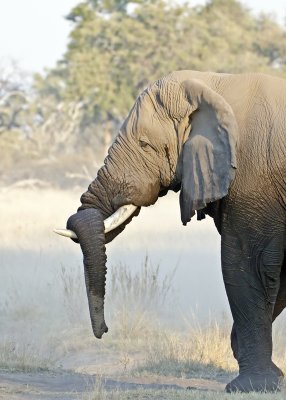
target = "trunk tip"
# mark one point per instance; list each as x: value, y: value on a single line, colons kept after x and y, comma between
x: 99, y: 331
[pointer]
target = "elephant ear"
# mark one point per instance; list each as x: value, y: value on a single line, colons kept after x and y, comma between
x: 208, y: 159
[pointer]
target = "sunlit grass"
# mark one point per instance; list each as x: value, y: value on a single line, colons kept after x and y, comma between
x: 202, y: 351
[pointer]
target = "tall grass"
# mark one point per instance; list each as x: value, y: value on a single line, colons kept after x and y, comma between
x: 141, y: 336
x: 145, y: 288
x: 136, y: 304
x: 24, y: 357
x: 138, y: 300
x: 73, y: 295
x: 203, y: 351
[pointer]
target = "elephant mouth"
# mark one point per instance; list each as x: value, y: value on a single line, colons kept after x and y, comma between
x: 175, y: 187
x: 110, y: 223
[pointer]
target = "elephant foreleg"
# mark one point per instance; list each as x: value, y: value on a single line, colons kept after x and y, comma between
x: 251, y: 271
x: 278, y: 308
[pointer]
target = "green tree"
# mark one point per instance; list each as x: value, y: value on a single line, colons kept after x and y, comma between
x: 14, y: 97
x: 118, y: 47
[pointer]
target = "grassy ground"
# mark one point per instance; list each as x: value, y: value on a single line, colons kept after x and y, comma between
x: 179, y: 395
x: 100, y: 394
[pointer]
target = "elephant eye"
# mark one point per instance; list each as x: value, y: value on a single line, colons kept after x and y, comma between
x: 143, y: 144
x: 146, y: 145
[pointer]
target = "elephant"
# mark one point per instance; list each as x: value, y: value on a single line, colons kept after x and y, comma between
x: 219, y: 139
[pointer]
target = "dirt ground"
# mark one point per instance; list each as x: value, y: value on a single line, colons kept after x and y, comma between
x: 90, y: 379
x: 82, y: 371
x: 67, y: 385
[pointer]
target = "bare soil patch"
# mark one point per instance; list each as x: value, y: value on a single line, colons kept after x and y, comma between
x: 68, y: 385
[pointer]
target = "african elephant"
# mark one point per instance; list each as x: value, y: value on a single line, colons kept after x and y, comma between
x: 221, y: 140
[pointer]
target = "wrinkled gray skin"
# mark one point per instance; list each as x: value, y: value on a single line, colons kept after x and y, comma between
x: 221, y: 140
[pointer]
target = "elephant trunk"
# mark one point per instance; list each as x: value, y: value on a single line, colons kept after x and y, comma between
x: 89, y: 228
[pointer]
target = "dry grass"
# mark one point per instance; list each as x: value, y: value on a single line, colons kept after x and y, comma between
x: 138, y: 301
x: 24, y: 357
x: 178, y: 395
x: 196, y: 349
x: 202, y: 352
x: 99, y: 393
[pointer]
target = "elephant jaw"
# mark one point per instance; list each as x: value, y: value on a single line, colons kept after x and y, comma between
x: 110, y: 223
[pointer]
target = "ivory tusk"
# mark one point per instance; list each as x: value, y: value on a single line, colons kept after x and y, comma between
x: 110, y: 223
x: 120, y: 216
x: 66, y: 232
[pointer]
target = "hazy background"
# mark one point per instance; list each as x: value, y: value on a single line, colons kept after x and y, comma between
x: 36, y: 33
x: 69, y: 73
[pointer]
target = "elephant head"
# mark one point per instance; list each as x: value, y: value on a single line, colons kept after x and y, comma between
x: 180, y: 134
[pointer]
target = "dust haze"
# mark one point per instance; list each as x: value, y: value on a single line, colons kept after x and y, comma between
x: 33, y: 257
x: 44, y: 313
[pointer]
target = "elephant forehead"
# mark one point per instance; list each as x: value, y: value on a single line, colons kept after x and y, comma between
x: 154, y: 129
x: 170, y: 96
x: 146, y: 120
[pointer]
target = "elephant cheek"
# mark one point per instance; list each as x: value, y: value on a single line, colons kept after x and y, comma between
x: 142, y: 195
x: 149, y: 194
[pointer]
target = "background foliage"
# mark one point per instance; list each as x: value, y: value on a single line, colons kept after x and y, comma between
x: 116, y: 48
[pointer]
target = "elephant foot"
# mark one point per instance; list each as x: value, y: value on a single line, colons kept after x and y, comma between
x: 254, y: 383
